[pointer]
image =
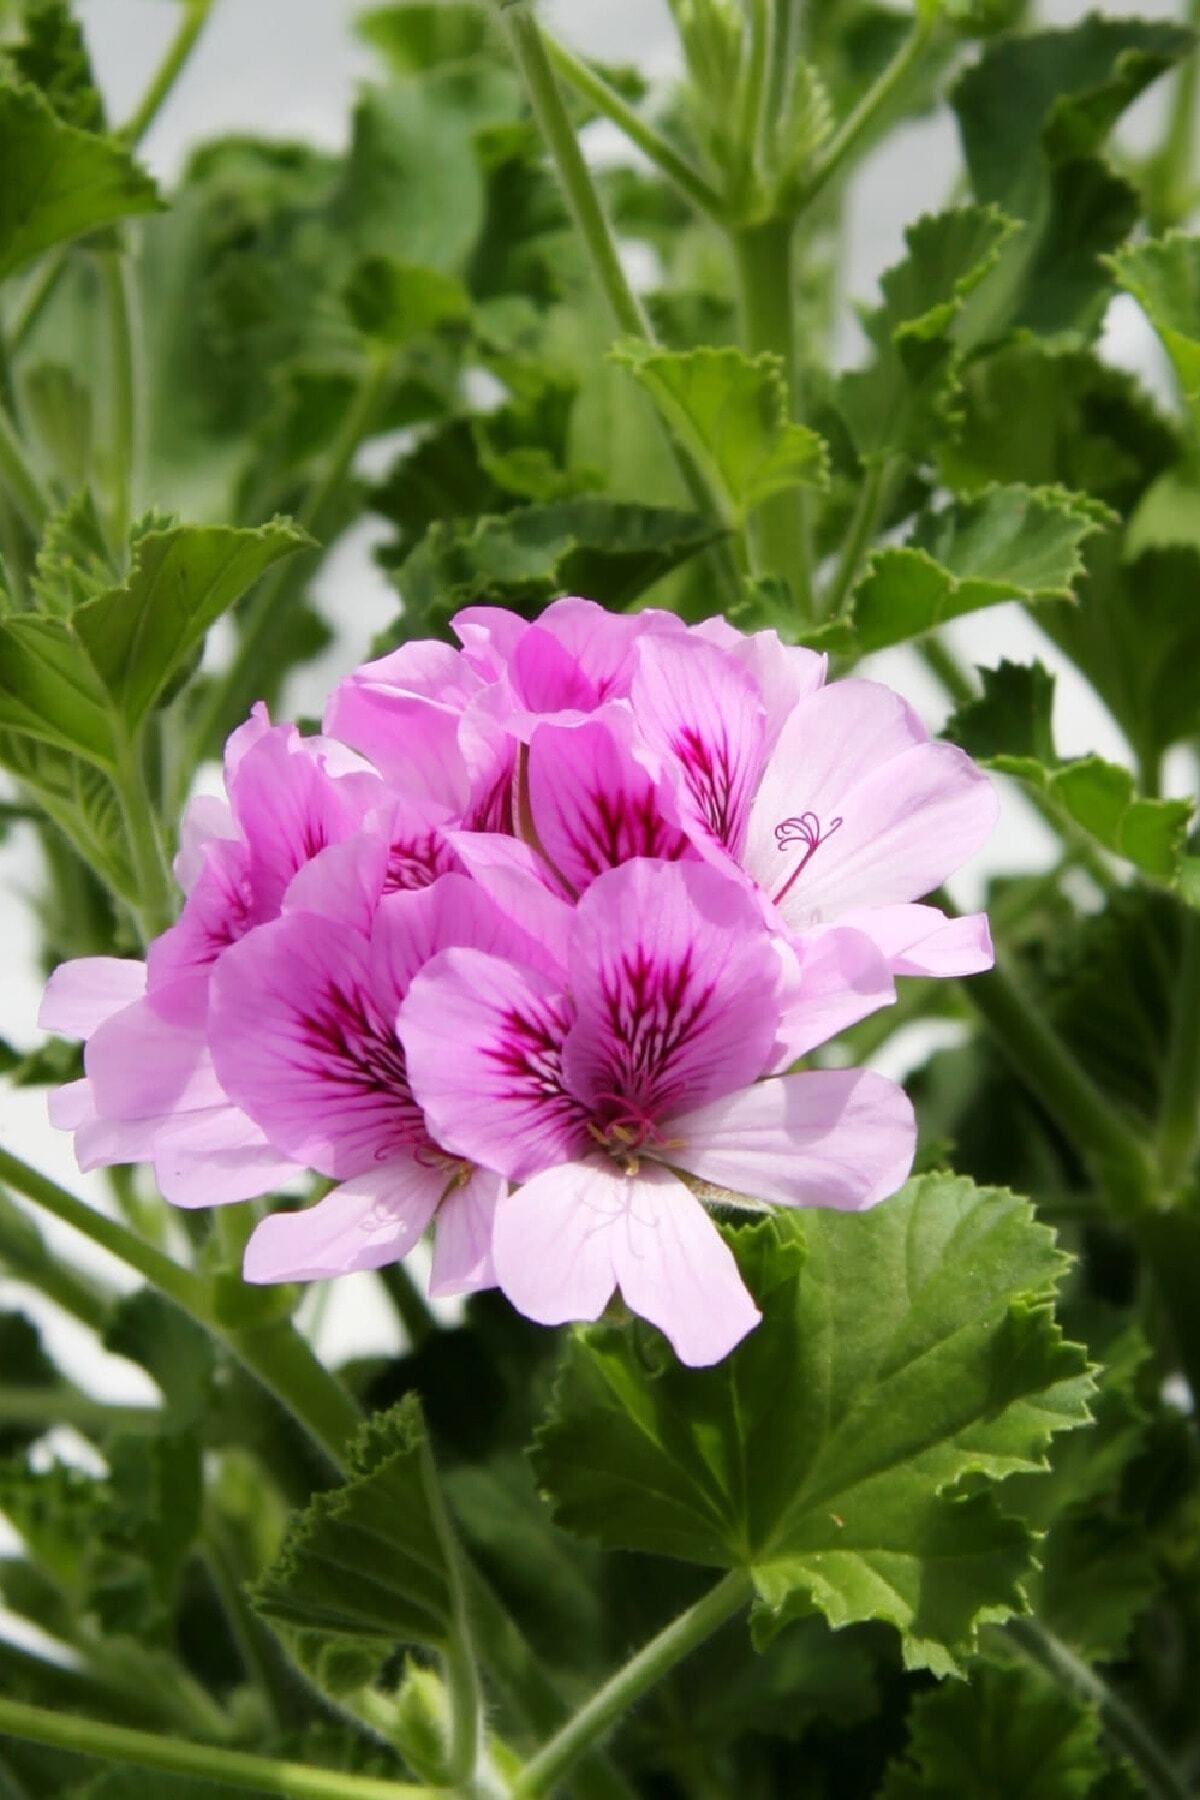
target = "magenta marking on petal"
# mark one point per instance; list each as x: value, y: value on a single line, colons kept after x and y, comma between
x: 355, y: 1051
x: 529, y: 1053
x: 417, y: 862
x: 804, y: 829
x: 653, y: 1010
x: 614, y: 828
x: 708, y: 771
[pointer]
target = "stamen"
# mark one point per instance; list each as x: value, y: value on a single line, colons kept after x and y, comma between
x: 804, y: 829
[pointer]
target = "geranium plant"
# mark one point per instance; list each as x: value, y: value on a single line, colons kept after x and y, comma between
x: 760, y: 1424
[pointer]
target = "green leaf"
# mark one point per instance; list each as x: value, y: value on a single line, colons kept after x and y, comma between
x: 53, y: 57
x: 392, y: 302
x: 901, y: 1352
x: 1163, y: 275
x: 50, y: 691
x: 25, y: 1365
x: 1028, y: 412
x: 1009, y: 729
x: 180, y: 582
x: 1009, y: 543
x: 175, y: 1351
x: 59, y: 181
x: 74, y: 561
x: 61, y: 410
x: 1006, y: 1731
x: 919, y: 331
x: 730, y: 411
x: 79, y: 798
x: 610, y: 551
x: 414, y: 37
x: 365, y: 1562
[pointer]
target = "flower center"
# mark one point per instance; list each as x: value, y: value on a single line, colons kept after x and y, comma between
x: 625, y: 1130
x: 804, y: 830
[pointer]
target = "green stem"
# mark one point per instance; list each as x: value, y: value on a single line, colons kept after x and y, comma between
x: 234, y: 1768
x: 231, y: 697
x: 1050, y: 1071
x: 610, y: 1702
x: 18, y: 479
x: 859, y: 121
x: 654, y: 146
x: 68, y: 1406
x: 195, y: 16
x: 462, y: 1673
x: 779, y: 528
x: 754, y: 85
x: 25, y: 1256
x: 628, y: 315
x: 36, y: 298
x: 288, y: 1367
x: 864, y: 522
x: 781, y: 57
x: 179, y: 1284
x: 1179, y: 1116
x: 1128, y: 1733
x: 410, y: 1305
x: 119, y: 299
x: 155, y: 905
x: 1168, y: 182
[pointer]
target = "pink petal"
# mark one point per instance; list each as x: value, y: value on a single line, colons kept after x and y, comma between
x: 221, y: 1177
x: 142, y: 1066
x: 784, y: 672
x: 843, y: 1139
x: 920, y: 940
x: 842, y: 978
x: 489, y: 636
x: 71, y: 1105
x: 411, y: 928
x: 462, y: 1245
x: 343, y: 883
x: 206, y: 819
x: 552, y: 1242
x: 701, y: 713
x: 833, y: 740
x: 83, y: 993
x: 219, y: 910
x: 290, y: 807
x: 903, y: 830
x: 676, y: 984
x: 414, y: 741
x: 674, y: 1268
x: 517, y: 880
x: 592, y: 805
x: 484, y: 1039
x: 303, y: 1041
x: 363, y: 1224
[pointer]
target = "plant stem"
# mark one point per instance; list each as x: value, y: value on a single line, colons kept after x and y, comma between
x: 288, y: 1367
x: 1050, y: 1071
x: 779, y: 529
x: 118, y: 293
x: 410, y: 1305
x: 179, y: 1284
x: 622, y: 1690
x: 1163, y: 1780
x: 462, y: 1674
x: 18, y: 480
x: 68, y: 1406
x: 858, y: 122
x: 752, y: 99
x: 864, y: 522
x: 195, y: 16
x: 1179, y: 1116
x: 232, y: 696
x: 781, y: 56
x: 654, y: 146
x: 155, y: 905
x: 25, y: 1256
x: 234, y: 1768
x: 36, y: 297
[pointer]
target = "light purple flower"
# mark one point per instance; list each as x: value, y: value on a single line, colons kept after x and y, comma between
x: 591, y: 1083
x: 302, y: 1029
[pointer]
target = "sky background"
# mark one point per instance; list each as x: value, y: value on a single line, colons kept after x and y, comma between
x: 289, y: 68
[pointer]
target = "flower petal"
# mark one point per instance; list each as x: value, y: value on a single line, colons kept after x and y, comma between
x: 674, y: 1268
x: 462, y: 1245
x: 484, y: 1043
x: 592, y: 804
x: 303, y: 1041
x: 220, y: 1177
x: 363, y: 1224
x: 552, y: 1242
x: 784, y: 672
x: 842, y: 977
x: 517, y: 880
x: 289, y: 807
x: 843, y: 1138
x: 83, y: 993
x: 142, y: 1066
x: 676, y: 983
x: 701, y: 713
x: 920, y: 940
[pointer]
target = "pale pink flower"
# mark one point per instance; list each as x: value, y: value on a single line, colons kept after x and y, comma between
x: 302, y: 1029
x: 590, y: 1083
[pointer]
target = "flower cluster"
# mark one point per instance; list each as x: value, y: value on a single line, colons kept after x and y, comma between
x: 522, y: 949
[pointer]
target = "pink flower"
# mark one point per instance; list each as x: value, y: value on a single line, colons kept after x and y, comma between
x: 303, y: 1039
x: 590, y: 1083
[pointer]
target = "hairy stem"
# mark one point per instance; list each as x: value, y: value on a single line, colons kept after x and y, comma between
x: 648, y: 1666
x: 232, y: 1768
x: 858, y: 122
x: 753, y: 97
x: 195, y: 17
x: 654, y: 146
x: 119, y: 301
x: 409, y: 1304
x: 864, y: 523
x: 779, y: 527
x: 154, y: 907
x: 1128, y: 1733
x: 1179, y: 1115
